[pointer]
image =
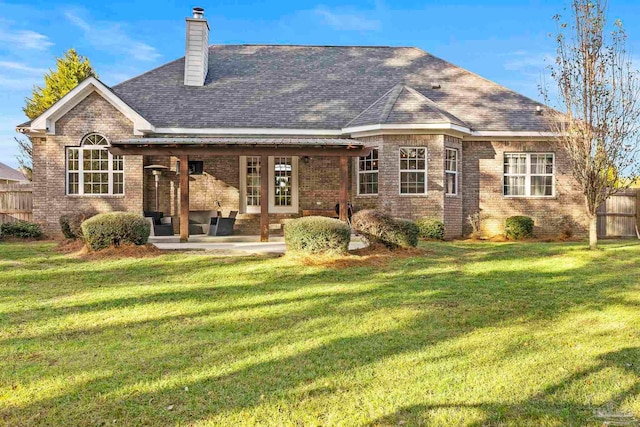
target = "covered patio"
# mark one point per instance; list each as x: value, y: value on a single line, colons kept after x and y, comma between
x: 262, y: 148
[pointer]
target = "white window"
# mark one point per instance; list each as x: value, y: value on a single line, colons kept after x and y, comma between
x: 529, y: 174
x: 451, y: 171
x: 413, y: 170
x: 368, y: 174
x: 92, y: 170
x: 283, y: 184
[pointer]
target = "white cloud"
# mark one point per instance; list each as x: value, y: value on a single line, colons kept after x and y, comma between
x: 111, y: 37
x: 18, y: 66
x: 348, y: 21
x: 24, y: 39
x: 17, y: 83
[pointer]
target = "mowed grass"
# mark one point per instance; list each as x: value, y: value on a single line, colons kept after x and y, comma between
x: 468, y: 334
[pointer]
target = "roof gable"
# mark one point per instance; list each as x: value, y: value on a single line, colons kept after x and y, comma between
x: 46, y: 121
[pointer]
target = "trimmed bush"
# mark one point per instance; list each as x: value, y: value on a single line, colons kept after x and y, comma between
x: 431, y: 228
x: 115, y: 228
x: 518, y: 227
x: 379, y: 227
x: 65, y: 227
x: 409, y: 233
x: 317, y: 234
x: 71, y: 224
x: 21, y: 229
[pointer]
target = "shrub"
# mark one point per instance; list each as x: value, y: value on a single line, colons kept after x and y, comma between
x: 71, y: 224
x: 518, y: 227
x: 21, y: 229
x: 379, y: 227
x: 409, y: 233
x: 316, y: 234
x: 115, y: 228
x: 431, y: 228
x: 65, y: 227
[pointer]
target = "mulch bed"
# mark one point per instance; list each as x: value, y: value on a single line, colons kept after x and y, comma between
x: 77, y: 248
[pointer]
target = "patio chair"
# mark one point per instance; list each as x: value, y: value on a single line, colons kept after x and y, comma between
x: 221, y: 226
x: 200, y: 221
x: 160, y: 225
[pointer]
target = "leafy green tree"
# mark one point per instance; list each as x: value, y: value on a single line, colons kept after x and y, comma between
x: 71, y: 69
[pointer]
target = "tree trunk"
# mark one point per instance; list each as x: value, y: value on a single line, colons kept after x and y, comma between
x: 593, y: 232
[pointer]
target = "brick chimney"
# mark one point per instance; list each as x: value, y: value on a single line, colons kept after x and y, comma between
x: 196, y: 61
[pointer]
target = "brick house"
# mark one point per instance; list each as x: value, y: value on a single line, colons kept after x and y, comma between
x: 275, y: 132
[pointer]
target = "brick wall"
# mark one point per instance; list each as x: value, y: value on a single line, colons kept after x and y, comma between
x: 389, y: 199
x: 452, y: 214
x: 93, y: 114
x: 482, y: 188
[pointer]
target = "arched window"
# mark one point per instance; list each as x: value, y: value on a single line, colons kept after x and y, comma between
x: 92, y: 170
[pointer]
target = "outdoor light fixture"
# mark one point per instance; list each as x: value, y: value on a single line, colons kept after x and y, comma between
x: 156, y: 170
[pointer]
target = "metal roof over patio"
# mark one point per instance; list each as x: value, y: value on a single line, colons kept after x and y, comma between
x: 241, y: 146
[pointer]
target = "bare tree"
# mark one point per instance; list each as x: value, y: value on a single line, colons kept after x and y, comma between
x: 597, y: 109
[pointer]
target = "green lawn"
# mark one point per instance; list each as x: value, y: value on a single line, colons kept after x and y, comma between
x: 469, y: 334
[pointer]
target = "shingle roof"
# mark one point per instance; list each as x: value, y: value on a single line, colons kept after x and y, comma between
x: 322, y: 87
x: 9, y: 173
x: 404, y: 105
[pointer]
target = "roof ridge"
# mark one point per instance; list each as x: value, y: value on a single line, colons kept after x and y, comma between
x: 372, y: 105
x: 441, y: 111
x: 388, y: 108
x: 431, y: 102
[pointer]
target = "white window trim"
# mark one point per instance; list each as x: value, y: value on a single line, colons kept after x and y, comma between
x: 528, y: 175
x: 81, y: 149
x: 358, y: 172
x: 426, y: 174
x: 294, y: 208
x: 456, y: 172
x: 243, y: 188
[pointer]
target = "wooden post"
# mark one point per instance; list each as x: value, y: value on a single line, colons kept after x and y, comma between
x: 264, y: 198
x: 184, y: 198
x: 344, y: 187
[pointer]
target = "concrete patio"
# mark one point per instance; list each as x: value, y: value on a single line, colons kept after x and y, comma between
x: 233, y: 245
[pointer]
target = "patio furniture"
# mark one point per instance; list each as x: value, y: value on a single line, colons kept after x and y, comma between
x: 200, y: 221
x: 223, y: 226
x: 160, y: 225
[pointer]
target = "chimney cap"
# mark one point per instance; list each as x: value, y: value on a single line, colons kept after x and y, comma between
x: 198, y: 13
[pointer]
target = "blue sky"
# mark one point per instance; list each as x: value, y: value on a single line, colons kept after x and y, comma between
x: 505, y: 41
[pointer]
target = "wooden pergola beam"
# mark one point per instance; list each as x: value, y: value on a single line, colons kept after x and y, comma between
x: 264, y: 198
x: 184, y: 198
x: 239, y: 151
x: 344, y: 189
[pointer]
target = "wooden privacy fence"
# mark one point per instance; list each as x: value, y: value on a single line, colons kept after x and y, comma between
x: 16, y: 202
x: 619, y: 216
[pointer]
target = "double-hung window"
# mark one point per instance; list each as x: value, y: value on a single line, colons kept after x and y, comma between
x: 529, y: 174
x: 413, y: 170
x: 368, y: 174
x: 93, y: 170
x: 451, y: 171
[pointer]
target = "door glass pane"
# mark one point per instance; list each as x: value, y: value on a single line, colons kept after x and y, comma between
x: 283, y: 174
x: 253, y: 181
